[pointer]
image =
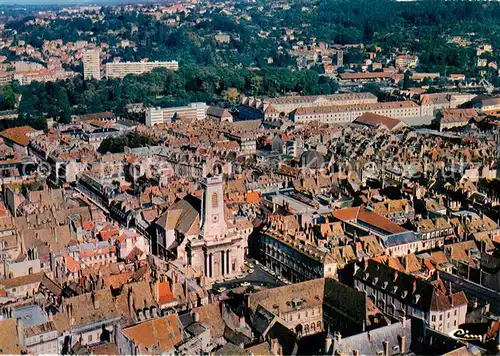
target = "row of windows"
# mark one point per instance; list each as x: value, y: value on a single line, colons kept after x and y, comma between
x: 98, y: 257
x: 455, y: 313
x: 304, y: 313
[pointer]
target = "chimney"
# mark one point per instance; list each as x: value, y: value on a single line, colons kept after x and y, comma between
x: 275, y: 347
x: 328, y: 343
x: 337, y: 337
x: 196, y: 317
x: 386, y: 348
x: 402, y: 344
x: 68, y: 311
x: 242, y: 322
x: 95, y: 302
x: 355, y: 352
x: 131, y: 306
x: 172, y: 284
x: 20, y: 330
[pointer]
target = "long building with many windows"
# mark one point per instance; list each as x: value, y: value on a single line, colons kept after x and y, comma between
x: 292, y: 258
x: 399, y: 295
x: 121, y: 69
x: 274, y: 108
x: 341, y: 114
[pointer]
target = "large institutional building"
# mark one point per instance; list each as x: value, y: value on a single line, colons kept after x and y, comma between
x: 156, y: 116
x: 202, y: 235
x: 121, y: 69
x: 341, y: 114
x: 343, y: 108
x: 274, y: 108
x: 91, y: 65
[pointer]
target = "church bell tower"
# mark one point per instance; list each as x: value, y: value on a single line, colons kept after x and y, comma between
x: 213, y: 222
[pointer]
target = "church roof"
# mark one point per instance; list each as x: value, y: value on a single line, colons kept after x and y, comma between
x: 183, y: 216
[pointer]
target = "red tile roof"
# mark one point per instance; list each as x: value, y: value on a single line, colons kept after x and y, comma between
x: 18, y: 135
x: 165, y: 294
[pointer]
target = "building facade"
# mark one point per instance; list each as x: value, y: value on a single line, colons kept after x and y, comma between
x: 155, y: 116
x: 273, y: 108
x: 121, y: 69
x: 292, y: 258
x: 91, y: 65
x: 200, y: 234
x: 399, y: 295
x: 342, y: 114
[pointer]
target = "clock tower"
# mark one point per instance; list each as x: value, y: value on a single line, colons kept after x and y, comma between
x: 213, y: 222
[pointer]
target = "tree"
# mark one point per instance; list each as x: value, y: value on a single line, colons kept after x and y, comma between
x: 118, y: 144
x: 407, y: 82
x: 232, y: 95
x: 9, y: 97
x: 64, y: 107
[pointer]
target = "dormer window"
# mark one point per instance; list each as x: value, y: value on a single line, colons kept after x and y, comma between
x: 385, y: 284
x: 375, y: 280
x: 404, y: 293
x: 394, y: 289
x: 416, y: 298
x: 366, y: 276
x: 296, y: 303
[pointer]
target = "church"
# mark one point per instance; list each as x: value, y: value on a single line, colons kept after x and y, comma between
x: 203, y: 233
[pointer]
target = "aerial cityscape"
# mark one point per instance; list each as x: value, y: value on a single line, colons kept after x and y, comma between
x: 250, y: 177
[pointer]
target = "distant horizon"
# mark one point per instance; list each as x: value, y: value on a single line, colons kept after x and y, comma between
x: 73, y: 2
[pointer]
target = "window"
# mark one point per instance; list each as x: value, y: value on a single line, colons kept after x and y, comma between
x: 433, y: 318
x: 215, y: 200
x: 455, y: 312
x: 90, y: 338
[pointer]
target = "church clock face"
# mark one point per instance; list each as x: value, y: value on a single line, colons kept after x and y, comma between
x: 215, y: 218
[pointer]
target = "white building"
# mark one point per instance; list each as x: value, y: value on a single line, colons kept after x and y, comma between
x: 121, y: 69
x: 342, y: 114
x: 91, y: 65
x: 155, y: 116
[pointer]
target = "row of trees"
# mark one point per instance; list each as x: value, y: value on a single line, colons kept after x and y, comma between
x: 118, y: 144
x: 216, y: 85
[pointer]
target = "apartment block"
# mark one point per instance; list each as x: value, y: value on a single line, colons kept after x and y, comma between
x: 91, y: 65
x: 121, y: 69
